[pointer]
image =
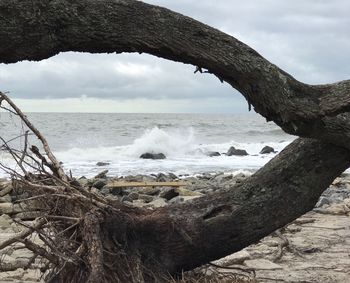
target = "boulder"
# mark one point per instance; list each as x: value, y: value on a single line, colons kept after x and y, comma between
x: 146, y: 198
x: 184, y: 192
x: 151, y: 191
x: 133, y: 195
x: 213, y: 153
x: 102, y: 174
x: 162, y: 178
x: 99, y: 184
x: 267, y: 149
x: 168, y: 193
x: 235, y: 151
x: 159, y: 202
x: 149, y: 155
x: 102, y: 163
x: 116, y: 191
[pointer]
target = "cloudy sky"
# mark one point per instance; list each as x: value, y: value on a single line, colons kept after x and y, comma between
x: 310, y: 39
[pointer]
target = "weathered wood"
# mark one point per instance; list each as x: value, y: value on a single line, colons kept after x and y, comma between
x: 122, y: 184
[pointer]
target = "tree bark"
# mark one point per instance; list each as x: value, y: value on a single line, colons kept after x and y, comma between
x: 35, y: 30
x: 181, y: 237
x: 184, y: 236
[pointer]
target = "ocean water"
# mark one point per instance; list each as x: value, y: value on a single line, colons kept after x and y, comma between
x: 80, y: 140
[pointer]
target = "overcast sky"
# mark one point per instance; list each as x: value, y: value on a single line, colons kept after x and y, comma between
x: 309, y: 39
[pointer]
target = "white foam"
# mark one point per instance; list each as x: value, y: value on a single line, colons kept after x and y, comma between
x: 184, y: 155
x: 173, y: 142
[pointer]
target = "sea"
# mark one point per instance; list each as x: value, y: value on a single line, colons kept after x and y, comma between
x: 81, y: 140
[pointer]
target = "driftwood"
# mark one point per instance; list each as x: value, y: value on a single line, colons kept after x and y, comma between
x: 90, y: 238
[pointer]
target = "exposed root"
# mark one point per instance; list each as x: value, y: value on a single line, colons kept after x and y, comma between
x: 284, y: 244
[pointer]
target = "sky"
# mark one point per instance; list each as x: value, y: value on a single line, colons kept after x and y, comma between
x: 310, y: 39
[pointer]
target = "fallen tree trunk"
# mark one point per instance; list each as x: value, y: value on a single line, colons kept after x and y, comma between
x: 110, y: 238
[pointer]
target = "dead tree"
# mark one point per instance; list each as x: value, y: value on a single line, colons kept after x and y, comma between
x: 111, y: 237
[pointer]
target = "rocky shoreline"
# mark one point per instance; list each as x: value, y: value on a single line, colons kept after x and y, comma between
x: 315, y: 241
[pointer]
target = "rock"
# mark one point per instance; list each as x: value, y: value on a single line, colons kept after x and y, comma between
x: 101, y: 175
x: 146, y: 198
x: 28, y: 215
x: 263, y: 264
x: 127, y: 199
x: 5, y: 221
x: 99, y: 184
x: 162, y: 178
x: 236, y: 258
x: 159, y: 202
x: 187, y: 198
x: 102, y: 163
x: 105, y: 191
x: 5, y: 198
x: 213, y: 153
x: 149, y: 191
x: 149, y: 155
x: 177, y: 199
x: 9, y: 208
x: 184, y: 192
x: 267, y: 149
x: 347, y: 202
x: 116, y: 191
x: 234, y: 151
x: 168, y: 193
x: 31, y: 275
x: 83, y: 181
x: 133, y: 195
x: 322, y: 201
x: 338, y: 209
x: 172, y: 176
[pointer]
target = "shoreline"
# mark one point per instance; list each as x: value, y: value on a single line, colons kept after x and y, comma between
x: 313, y: 237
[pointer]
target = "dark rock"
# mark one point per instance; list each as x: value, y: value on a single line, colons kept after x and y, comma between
x: 213, y: 153
x: 267, y: 149
x: 102, y: 163
x: 146, y: 198
x: 102, y: 174
x: 168, y: 193
x: 234, y: 151
x: 322, y: 201
x: 75, y: 183
x: 151, y: 191
x: 162, y: 178
x: 116, y: 191
x: 105, y: 191
x: 172, y: 176
x: 133, y: 195
x: 127, y: 199
x: 149, y: 155
x: 99, y: 184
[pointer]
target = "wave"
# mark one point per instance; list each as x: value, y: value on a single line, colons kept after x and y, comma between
x: 185, y: 155
x: 173, y: 142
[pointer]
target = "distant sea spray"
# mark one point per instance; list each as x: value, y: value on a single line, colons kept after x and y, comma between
x: 82, y: 140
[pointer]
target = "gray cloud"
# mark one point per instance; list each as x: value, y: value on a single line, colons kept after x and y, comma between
x: 308, y: 39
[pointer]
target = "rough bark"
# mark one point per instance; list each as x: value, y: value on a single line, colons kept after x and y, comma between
x: 188, y: 235
x: 181, y: 237
x: 35, y: 30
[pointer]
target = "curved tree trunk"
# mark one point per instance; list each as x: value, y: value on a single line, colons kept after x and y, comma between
x: 181, y: 237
